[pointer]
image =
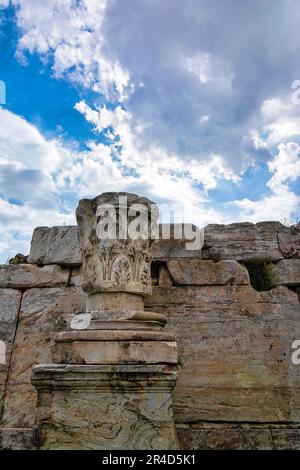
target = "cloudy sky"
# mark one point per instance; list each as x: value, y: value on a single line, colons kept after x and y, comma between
x: 194, y: 101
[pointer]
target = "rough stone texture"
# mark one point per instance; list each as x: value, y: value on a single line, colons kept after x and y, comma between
x: 234, y: 346
x: 25, y: 276
x: 284, y: 272
x: 75, y: 278
x: 289, y: 241
x: 164, y: 276
x: 18, y: 439
x: 130, y: 407
x: 43, y: 313
x: 250, y: 242
x: 175, y: 242
x: 114, y: 301
x: 55, y: 245
x: 109, y: 352
x: 201, y: 273
x: 245, y: 437
x: 9, y: 307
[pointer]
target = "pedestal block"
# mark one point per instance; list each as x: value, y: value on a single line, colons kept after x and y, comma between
x: 105, y: 407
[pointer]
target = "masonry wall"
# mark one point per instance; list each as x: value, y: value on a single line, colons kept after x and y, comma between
x: 237, y: 386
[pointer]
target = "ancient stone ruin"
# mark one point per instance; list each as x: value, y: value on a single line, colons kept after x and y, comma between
x: 115, y: 343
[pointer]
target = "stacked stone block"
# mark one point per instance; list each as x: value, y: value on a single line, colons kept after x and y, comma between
x: 237, y: 386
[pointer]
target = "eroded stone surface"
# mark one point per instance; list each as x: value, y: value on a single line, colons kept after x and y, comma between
x: 284, y: 272
x: 234, y: 346
x: 9, y: 306
x: 26, y: 276
x: 128, y: 407
x: 289, y: 241
x: 201, y: 273
x: 43, y: 313
x: 245, y: 242
x: 243, y: 437
x: 176, y: 241
x: 116, y: 352
x: 18, y: 439
x: 55, y: 245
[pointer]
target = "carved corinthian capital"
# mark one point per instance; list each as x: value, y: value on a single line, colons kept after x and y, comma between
x: 115, y: 235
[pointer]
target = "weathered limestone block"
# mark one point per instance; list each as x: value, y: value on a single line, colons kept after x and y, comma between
x: 26, y: 276
x: 284, y: 272
x: 9, y: 307
x: 177, y: 241
x: 55, y: 245
x: 204, y: 272
x: 18, y: 439
x: 109, y: 407
x: 234, y: 346
x: 244, y: 242
x: 43, y: 313
x: 235, y: 296
x: 115, y: 347
x: 289, y: 241
x: 243, y: 437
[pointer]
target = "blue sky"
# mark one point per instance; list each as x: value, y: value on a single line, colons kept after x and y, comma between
x: 194, y: 102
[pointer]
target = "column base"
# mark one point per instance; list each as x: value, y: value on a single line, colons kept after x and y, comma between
x: 111, y: 407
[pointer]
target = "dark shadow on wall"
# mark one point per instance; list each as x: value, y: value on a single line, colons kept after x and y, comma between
x: 260, y: 278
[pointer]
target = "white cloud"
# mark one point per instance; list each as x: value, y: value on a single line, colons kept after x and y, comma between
x: 21, y: 142
x: 171, y: 63
x: 72, y: 32
x: 285, y: 166
x: 282, y: 203
x: 279, y: 121
x: 209, y: 69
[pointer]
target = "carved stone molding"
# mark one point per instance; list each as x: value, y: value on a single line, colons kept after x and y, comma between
x: 116, y: 263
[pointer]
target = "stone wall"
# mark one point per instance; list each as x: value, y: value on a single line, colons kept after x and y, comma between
x: 234, y: 308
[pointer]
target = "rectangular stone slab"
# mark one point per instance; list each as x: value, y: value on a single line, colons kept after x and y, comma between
x: 26, y: 276
x: 106, y: 407
x: 234, y: 347
x: 55, y: 245
x: 284, y: 272
x: 205, y: 272
x: 247, y: 242
x: 116, y: 352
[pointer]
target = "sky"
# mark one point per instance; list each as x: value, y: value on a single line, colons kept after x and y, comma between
x: 194, y: 103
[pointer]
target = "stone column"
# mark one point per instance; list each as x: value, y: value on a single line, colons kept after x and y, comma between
x: 115, y: 367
